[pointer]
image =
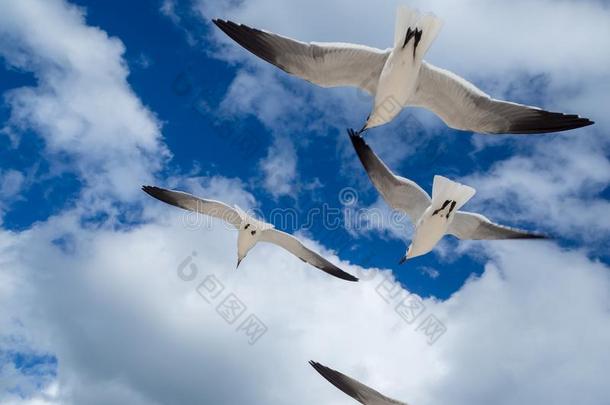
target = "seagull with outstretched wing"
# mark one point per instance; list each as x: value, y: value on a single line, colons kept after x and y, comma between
x: 398, y: 77
x: 251, y: 230
x: 355, y: 389
x: 433, y: 217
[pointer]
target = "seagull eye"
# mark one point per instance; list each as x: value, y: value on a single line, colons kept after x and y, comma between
x: 253, y: 233
x: 247, y: 226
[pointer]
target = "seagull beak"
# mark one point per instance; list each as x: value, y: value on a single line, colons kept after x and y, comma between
x: 238, y: 261
x: 407, y: 256
x: 364, y: 128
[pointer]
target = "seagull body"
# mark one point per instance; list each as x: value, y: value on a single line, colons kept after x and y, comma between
x: 250, y: 233
x: 355, y: 389
x: 398, y: 77
x: 251, y: 230
x: 447, y: 197
x: 433, y: 217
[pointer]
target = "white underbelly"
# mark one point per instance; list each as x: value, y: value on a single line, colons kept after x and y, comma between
x: 396, y: 86
x: 428, y: 233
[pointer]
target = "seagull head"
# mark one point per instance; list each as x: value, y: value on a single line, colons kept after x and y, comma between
x: 407, y: 255
x: 382, y: 114
x: 245, y: 243
x: 250, y: 231
x: 249, y: 234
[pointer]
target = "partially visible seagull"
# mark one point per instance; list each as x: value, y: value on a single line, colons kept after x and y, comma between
x: 398, y: 77
x: 251, y: 230
x: 433, y: 217
x: 355, y: 389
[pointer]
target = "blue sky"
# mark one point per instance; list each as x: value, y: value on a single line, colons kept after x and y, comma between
x: 105, y: 96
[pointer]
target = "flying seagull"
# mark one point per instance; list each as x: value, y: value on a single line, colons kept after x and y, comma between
x: 398, y: 77
x: 433, y: 217
x: 251, y: 230
x: 355, y: 389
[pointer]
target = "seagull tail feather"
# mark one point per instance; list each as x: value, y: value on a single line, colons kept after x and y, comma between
x: 405, y: 17
x: 444, y: 190
x: 422, y: 29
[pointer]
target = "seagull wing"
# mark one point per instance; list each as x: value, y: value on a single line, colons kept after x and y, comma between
x: 461, y: 105
x: 400, y: 193
x: 467, y: 225
x: 324, y: 64
x: 294, y: 246
x: 191, y: 203
x: 353, y: 388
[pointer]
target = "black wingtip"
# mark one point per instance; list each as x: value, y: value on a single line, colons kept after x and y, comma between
x: 539, y: 236
x: 222, y: 24
x: 548, y: 122
x: 359, y: 144
x: 149, y: 189
x: 587, y: 122
x: 344, y: 276
x: 353, y: 134
x: 323, y: 370
x: 156, y: 192
x: 356, y: 138
x: 339, y: 380
x: 577, y: 122
x: 226, y: 26
x: 317, y: 366
x: 542, y: 236
x: 521, y: 234
x: 258, y: 42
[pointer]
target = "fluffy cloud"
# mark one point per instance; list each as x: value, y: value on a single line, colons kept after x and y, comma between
x: 92, y: 125
x: 556, y: 186
x: 126, y: 327
x: 11, y: 183
x: 82, y: 104
x: 279, y: 169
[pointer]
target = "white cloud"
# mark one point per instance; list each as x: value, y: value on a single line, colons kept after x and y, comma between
x: 168, y: 9
x: 511, y: 26
x: 11, y: 184
x: 429, y: 271
x: 280, y: 169
x: 279, y: 109
x: 527, y: 330
x: 82, y: 105
x: 125, y: 327
x: 556, y: 186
